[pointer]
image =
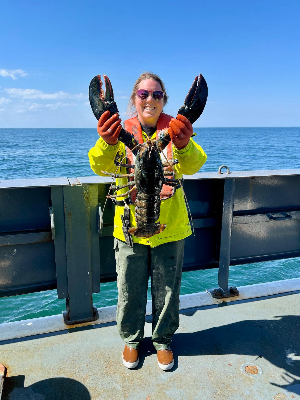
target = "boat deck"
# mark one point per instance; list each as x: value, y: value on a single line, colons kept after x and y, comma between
x: 247, y: 349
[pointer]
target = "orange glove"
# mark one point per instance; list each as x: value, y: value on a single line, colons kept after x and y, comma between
x: 180, y: 130
x: 109, y: 128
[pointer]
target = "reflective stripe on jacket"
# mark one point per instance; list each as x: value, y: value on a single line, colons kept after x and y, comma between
x: 173, y: 211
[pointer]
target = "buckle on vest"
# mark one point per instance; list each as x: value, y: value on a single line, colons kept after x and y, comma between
x: 122, y: 203
x: 126, y: 225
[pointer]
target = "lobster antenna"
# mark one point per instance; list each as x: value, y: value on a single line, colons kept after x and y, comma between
x: 120, y: 160
x: 189, y: 211
x: 111, y: 186
x: 109, y: 190
x: 185, y: 198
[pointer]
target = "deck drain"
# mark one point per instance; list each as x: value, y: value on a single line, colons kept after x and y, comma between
x: 252, y: 370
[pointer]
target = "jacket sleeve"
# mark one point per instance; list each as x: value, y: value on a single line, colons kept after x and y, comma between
x: 102, y: 156
x: 191, y: 158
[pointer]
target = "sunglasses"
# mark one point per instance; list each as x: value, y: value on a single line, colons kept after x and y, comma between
x: 156, y: 94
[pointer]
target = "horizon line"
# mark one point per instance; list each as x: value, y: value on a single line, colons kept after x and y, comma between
x: 195, y: 127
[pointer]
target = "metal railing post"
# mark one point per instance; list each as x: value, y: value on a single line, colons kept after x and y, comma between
x: 80, y: 216
x: 224, y: 258
x: 58, y: 232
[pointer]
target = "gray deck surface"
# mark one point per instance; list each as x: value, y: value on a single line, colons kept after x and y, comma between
x: 212, y: 347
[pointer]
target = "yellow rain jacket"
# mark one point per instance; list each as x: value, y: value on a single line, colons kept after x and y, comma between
x: 173, y: 211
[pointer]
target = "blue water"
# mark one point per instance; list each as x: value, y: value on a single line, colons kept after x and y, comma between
x: 37, y: 153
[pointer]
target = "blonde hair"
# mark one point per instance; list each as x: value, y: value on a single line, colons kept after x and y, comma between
x: 131, y: 110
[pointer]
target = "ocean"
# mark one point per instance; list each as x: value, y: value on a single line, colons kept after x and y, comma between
x: 49, y: 153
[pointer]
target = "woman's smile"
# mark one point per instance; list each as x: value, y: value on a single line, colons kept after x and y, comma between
x: 148, y: 109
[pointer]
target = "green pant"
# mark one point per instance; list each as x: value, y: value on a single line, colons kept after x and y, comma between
x: 134, y: 266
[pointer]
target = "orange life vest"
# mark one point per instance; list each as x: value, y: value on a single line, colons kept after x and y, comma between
x: 133, y: 126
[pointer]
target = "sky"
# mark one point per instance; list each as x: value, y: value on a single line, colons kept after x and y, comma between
x: 248, y: 52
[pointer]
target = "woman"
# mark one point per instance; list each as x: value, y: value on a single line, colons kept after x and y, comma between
x: 161, y: 255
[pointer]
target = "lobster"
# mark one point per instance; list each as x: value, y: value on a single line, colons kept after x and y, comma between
x: 149, y: 175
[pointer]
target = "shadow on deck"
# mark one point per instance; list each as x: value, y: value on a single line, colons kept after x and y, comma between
x: 212, y: 348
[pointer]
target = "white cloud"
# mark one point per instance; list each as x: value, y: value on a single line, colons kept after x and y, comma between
x: 34, y: 103
x: 38, y: 94
x: 12, y: 73
x: 4, y: 100
x: 39, y: 106
x: 35, y: 107
x: 59, y: 105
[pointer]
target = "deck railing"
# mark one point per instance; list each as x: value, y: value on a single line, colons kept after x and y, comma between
x: 51, y: 236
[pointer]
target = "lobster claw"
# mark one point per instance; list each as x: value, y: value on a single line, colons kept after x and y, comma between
x: 100, y: 101
x: 195, y: 100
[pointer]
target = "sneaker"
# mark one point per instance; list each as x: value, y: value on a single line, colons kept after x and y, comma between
x: 130, y: 357
x: 165, y: 359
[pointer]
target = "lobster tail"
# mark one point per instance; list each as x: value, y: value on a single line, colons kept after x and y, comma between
x: 147, y: 231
